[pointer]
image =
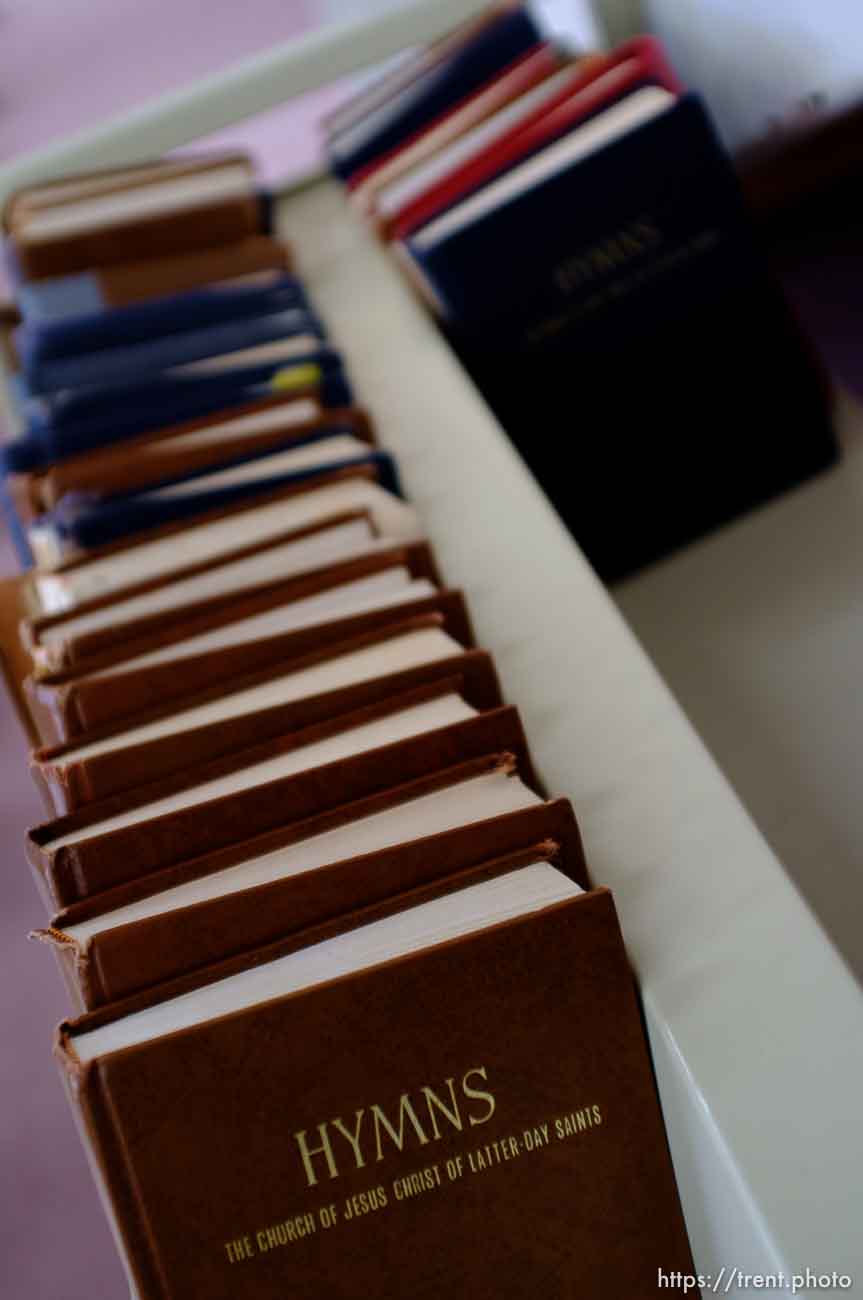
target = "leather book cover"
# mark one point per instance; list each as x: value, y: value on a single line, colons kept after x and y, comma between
x: 77, y: 567
x: 54, y: 658
x: 308, y: 815
x: 77, y: 559
x: 140, y: 463
x: 94, y: 863
x: 81, y: 709
x: 127, y: 283
x: 55, y: 191
x: 19, y: 630
x: 92, y: 523
x: 476, y: 1119
x: 68, y: 785
x: 127, y: 286
x: 14, y: 659
x: 117, y: 963
x: 205, y: 221
x: 57, y: 696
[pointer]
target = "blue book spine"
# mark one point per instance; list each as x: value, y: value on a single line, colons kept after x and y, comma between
x: 16, y: 529
x: 131, y: 515
x: 497, y: 45
x: 89, y: 420
x: 119, y: 365
x: 96, y: 327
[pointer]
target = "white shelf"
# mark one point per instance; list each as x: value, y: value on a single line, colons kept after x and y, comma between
x: 755, y: 1022
x: 758, y: 630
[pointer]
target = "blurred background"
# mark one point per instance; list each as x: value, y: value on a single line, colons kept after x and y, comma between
x: 758, y: 628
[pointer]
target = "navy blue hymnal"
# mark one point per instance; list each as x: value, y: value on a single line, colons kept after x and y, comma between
x: 496, y: 45
x: 123, y: 517
x: 619, y: 317
x: 94, y: 331
x: 80, y: 421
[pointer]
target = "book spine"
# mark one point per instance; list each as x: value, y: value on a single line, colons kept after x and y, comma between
x: 119, y: 364
x: 232, y: 219
x: 105, y: 1151
x: 99, y: 329
x: 269, y: 921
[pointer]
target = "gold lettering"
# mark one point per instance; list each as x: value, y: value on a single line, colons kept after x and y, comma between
x: 307, y: 1152
x: 239, y: 1249
x: 433, y: 1100
x: 381, y: 1121
x: 476, y: 1094
x: 637, y: 237
x: 353, y: 1138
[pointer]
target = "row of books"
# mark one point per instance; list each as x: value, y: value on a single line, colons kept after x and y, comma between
x: 579, y: 231
x: 353, y: 1020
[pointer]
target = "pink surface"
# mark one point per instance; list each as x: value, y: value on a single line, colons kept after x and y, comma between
x: 54, y: 1239
x: 69, y: 64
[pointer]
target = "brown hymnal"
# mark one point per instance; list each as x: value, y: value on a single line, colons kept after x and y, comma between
x: 294, y: 615
x: 95, y: 631
x: 126, y: 283
x: 235, y: 715
x: 118, y: 218
x: 225, y: 639
x: 449, y: 1093
x: 246, y: 792
x: 227, y: 903
x: 183, y: 449
x: 171, y: 551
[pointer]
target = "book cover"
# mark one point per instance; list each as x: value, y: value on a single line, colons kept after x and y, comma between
x: 238, y: 697
x: 72, y: 777
x: 491, y: 49
x: 125, y: 362
x: 72, y: 230
x: 64, y: 582
x: 67, y: 873
x: 73, y: 421
x: 147, y: 287
x: 560, y: 103
x: 82, y: 525
x: 120, y: 956
x: 419, y: 1142
x: 168, y: 454
x: 131, y: 677
x: 636, y: 334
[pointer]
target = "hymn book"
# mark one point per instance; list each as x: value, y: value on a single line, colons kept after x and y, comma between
x: 456, y: 1096
x: 251, y: 710
x: 203, y: 912
x: 223, y: 801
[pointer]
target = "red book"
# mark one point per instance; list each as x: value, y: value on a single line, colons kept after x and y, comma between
x: 525, y: 72
x: 590, y: 87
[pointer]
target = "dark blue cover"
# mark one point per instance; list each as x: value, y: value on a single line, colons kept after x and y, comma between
x: 125, y: 516
x: 76, y: 422
x: 621, y: 321
x: 498, y: 44
x: 17, y: 531
x: 124, y: 363
x: 604, y: 221
x: 108, y: 328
